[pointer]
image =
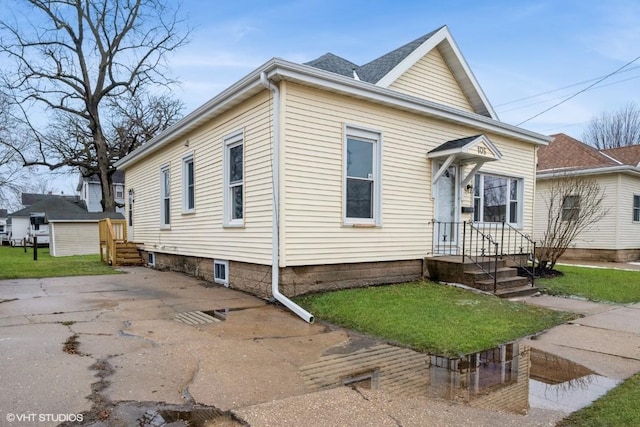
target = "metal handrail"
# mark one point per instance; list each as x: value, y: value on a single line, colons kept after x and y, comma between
x: 484, y: 243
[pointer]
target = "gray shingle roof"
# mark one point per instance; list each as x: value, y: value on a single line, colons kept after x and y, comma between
x: 378, y: 68
x: 51, y: 204
x: 373, y: 71
x: 29, y: 199
x: 334, y: 64
x: 455, y: 143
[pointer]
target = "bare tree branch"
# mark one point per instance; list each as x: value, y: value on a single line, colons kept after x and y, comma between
x: 81, y: 62
x: 612, y: 130
x: 574, y: 205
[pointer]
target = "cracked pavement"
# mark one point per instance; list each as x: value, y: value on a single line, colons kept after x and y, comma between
x: 134, y: 359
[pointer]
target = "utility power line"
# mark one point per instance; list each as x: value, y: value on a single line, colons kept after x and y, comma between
x: 580, y: 91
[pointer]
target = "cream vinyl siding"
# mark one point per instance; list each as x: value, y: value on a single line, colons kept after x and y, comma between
x: 201, y: 233
x: 74, y: 238
x: 430, y: 78
x: 601, y: 235
x: 312, y: 178
x: 629, y: 234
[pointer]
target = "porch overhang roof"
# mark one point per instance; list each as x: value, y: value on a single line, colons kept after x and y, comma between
x: 476, y: 150
x: 472, y: 149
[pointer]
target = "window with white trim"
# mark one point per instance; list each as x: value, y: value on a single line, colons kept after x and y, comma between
x: 571, y: 208
x: 221, y: 271
x: 497, y: 199
x: 234, y: 180
x: 362, y: 177
x: 151, y: 259
x: 636, y: 208
x: 165, y: 197
x: 119, y: 191
x: 188, y: 185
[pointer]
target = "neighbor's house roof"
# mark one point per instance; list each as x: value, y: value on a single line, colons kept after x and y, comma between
x: 49, y: 204
x: 628, y: 155
x: 334, y: 74
x: 29, y: 199
x: 57, y: 208
x: 567, y: 155
x: 81, y: 217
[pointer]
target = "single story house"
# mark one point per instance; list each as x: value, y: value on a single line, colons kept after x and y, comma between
x: 334, y: 174
x: 616, y: 237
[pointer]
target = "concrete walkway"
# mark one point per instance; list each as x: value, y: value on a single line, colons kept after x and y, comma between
x: 606, y: 340
x: 109, y: 350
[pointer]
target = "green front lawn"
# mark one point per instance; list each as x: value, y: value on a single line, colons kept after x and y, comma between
x: 16, y: 264
x: 429, y: 317
x: 596, y: 284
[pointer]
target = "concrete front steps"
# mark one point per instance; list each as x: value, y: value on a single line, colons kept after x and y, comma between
x: 452, y: 269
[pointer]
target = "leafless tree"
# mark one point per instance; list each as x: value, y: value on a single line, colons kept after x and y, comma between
x: 574, y: 204
x: 612, y: 130
x: 81, y: 62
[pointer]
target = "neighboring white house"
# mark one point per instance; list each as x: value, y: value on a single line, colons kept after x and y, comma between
x: 331, y: 172
x: 90, y: 191
x: 4, y: 227
x: 616, y: 237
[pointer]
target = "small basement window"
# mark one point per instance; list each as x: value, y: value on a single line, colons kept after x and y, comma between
x: 151, y: 259
x: 221, y: 272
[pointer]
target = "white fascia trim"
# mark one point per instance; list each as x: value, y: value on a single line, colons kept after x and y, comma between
x: 363, y: 90
x: 277, y: 68
x: 74, y: 220
x: 457, y: 63
x: 560, y: 172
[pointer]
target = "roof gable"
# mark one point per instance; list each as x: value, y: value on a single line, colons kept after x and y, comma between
x: 472, y: 147
x: 443, y: 40
x: 388, y: 68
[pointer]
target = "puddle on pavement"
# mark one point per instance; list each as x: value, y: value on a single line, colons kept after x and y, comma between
x: 198, y: 417
x: 511, y: 377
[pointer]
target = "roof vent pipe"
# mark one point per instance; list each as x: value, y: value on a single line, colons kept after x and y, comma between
x: 275, y: 171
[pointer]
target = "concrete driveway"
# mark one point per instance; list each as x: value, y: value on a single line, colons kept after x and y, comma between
x: 136, y: 349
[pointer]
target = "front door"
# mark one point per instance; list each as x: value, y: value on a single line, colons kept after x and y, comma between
x: 446, y: 212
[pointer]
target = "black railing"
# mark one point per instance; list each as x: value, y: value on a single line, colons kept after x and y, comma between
x: 485, y: 244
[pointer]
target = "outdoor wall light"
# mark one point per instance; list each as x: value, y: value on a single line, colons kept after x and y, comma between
x: 469, y: 188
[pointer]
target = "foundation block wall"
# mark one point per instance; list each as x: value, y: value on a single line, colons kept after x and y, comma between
x: 256, y: 278
x: 605, y: 255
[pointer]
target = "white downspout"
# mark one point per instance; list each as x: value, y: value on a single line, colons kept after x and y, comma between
x: 275, y: 166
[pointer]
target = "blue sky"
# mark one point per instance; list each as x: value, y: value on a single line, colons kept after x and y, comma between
x: 515, y: 49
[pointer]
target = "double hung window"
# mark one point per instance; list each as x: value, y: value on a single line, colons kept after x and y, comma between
x: 362, y: 172
x: 234, y: 180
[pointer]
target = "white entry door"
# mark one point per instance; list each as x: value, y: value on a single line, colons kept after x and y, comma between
x: 446, y: 211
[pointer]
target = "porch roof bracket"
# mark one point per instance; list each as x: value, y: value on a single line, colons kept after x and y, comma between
x: 443, y: 168
x: 472, y: 172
